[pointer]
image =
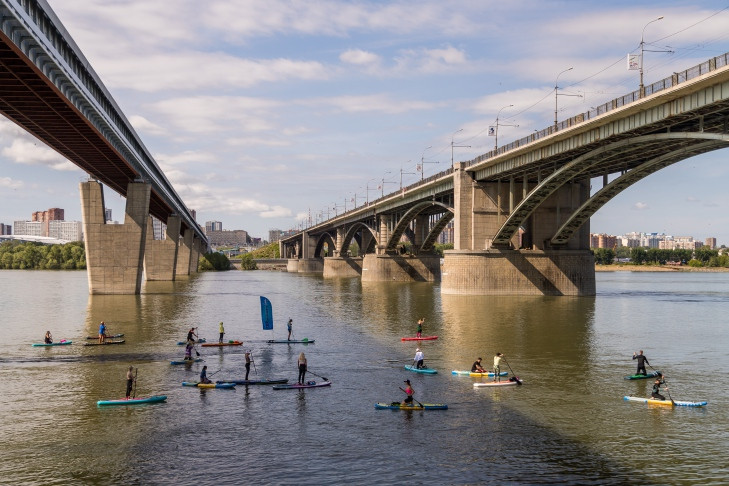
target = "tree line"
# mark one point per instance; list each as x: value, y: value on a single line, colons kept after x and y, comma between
x: 36, y: 256
x: 701, y: 257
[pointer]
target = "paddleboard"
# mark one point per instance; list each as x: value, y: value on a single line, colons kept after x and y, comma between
x: 475, y: 373
x: 423, y: 338
x: 496, y: 383
x: 292, y: 341
x: 414, y: 406
x: 666, y: 403
x: 308, y: 384
x: 255, y: 382
x: 199, y: 341
x: 208, y: 385
x: 104, y: 343
x: 428, y: 371
x: 59, y: 343
x: 185, y: 361
x: 107, y: 336
x: 133, y: 401
x: 229, y: 343
x: 652, y: 374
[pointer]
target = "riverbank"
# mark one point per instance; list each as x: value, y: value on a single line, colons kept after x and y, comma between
x: 657, y: 268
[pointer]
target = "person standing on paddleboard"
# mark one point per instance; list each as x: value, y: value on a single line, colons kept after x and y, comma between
x: 191, y: 335
x: 419, y: 357
x: 130, y: 381
x: 222, y: 332
x: 409, y: 392
x: 102, y: 332
x: 188, y: 350
x: 477, y: 368
x: 497, y: 366
x: 642, y: 361
x: 289, y: 326
x: 656, y: 392
x: 248, y: 363
x: 419, y: 333
x: 302, y: 369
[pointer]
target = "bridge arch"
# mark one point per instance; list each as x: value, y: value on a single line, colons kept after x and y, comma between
x: 325, y: 239
x: 587, y: 161
x: 365, y: 244
x: 409, y: 216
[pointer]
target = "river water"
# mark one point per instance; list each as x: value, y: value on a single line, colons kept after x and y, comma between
x: 567, y: 424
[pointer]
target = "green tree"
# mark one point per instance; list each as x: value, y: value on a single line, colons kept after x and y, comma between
x: 214, y: 261
x: 604, y: 256
x: 247, y: 262
x: 704, y: 254
x: 638, y: 255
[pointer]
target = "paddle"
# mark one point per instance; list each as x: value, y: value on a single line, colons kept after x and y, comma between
x: 518, y: 381
x: 421, y: 405
x: 322, y: 377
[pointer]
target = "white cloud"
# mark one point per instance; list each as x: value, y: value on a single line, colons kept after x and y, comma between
x: 640, y: 206
x: 379, y: 103
x: 143, y: 125
x: 276, y: 212
x: 432, y: 60
x: 10, y: 183
x: 359, y: 57
x: 24, y: 149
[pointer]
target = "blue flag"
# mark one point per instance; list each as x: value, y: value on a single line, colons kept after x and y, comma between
x: 266, y: 314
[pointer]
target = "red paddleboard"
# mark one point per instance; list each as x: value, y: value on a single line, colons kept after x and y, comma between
x: 423, y: 338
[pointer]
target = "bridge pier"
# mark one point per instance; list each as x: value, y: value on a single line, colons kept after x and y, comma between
x: 381, y: 268
x: 184, y: 252
x: 335, y: 267
x: 311, y: 265
x: 115, y: 252
x: 518, y: 272
x: 160, y: 256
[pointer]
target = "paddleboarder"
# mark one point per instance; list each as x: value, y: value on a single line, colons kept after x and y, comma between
x: 191, y: 334
x: 102, y: 332
x: 656, y: 392
x: 130, y: 381
x: 222, y: 332
x: 642, y: 361
x: 248, y: 363
x: 289, y: 326
x: 48, y: 339
x: 476, y: 367
x: 419, y: 357
x: 204, y: 375
x: 409, y: 392
x: 497, y: 366
x: 419, y: 333
x: 302, y: 369
x: 188, y: 351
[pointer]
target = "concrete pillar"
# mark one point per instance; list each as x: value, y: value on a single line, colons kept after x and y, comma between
x: 397, y: 268
x: 115, y: 253
x: 384, y: 234
x: 195, y: 253
x: 160, y: 256
x: 422, y: 223
x: 184, y: 254
x: 341, y: 233
x: 553, y: 212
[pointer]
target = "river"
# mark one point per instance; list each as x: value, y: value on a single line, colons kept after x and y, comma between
x: 567, y: 424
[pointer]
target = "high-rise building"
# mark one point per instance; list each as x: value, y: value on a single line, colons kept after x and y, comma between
x: 159, y: 229
x: 107, y: 214
x: 227, y: 238
x: 30, y: 228
x: 66, y: 230
x: 213, y: 226
x: 711, y: 243
x: 6, y: 229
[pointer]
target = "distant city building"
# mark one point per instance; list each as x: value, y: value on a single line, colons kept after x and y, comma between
x: 30, y: 228
x: 50, y: 224
x: 711, y: 243
x: 66, y: 230
x: 6, y: 229
x: 107, y: 214
x: 274, y: 235
x: 448, y: 234
x: 159, y: 229
x: 227, y: 238
x: 213, y: 226
x: 52, y: 214
x: 603, y: 240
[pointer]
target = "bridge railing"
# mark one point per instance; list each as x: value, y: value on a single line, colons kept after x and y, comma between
x: 669, y: 82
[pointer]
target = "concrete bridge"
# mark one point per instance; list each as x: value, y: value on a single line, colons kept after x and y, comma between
x: 49, y: 88
x: 521, y: 213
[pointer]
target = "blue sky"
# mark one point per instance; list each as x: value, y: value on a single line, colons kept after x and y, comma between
x: 262, y: 113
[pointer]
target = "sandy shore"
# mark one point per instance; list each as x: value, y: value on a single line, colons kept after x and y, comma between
x: 656, y: 268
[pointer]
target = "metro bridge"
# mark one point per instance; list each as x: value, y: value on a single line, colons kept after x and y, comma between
x: 521, y: 213
x: 49, y: 88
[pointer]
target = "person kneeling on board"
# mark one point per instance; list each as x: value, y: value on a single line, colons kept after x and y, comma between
x: 656, y: 392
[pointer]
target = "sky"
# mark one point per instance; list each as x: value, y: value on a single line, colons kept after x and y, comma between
x: 270, y: 114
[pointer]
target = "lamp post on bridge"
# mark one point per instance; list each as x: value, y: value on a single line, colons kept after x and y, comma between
x: 367, y: 189
x: 421, y: 167
x: 496, y: 131
x: 641, y: 88
x: 409, y: 173
x: 385, y: 182
x: 556, y: 94
x: 452, y: 146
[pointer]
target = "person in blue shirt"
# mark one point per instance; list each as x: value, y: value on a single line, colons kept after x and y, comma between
x: 102, y: 332
x: 204, y: 375
x: 289, y: 325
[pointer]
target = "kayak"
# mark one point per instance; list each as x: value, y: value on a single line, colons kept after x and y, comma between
x: 652, y: 374
x: 292, y: 341
x: 104, y: 343
x: 208, y: 385
x: 182, y: 343
x: 255, y: 382
x: 59, y: 343
x: 308, y: 384
x: 429, y: 371
x: 414, y: 406
x: 229, y: 343
x: 107, y: 337
x: 667, y: 403
x: 133, y: 401
x: 475, y: 373
x: 423, y: 338
x: 496, y: 383
x: 185, y: 361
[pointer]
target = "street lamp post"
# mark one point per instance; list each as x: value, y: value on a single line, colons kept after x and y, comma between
x: 452, y: 146
x: 496, y: 132
x: 556, y: 94
x: 642, y: 44
x: 367, y: 189
x: 409, y: 173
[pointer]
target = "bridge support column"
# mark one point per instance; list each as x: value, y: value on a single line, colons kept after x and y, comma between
x: 518, y: 272
x: 340, y: 241
x: 292, y: 265
x: 336, y: 267
x: 183, y: 254
x: 384, y: 234
x: 388, y: 268
x: 160, y: 256
x: 421, y: 230
x: 311, y: 265
x: 195, y: 252
x: 115, y: 253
